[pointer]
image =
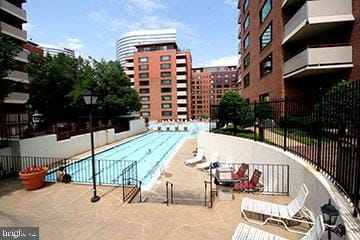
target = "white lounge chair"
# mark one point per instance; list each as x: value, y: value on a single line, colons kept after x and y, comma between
x: 246, y: 232
x: 278, y: 212
x: 198, y: 158
x: 205, y: 165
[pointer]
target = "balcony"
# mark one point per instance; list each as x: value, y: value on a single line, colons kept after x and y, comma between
x: 13, y: 10
x: 22, y: 57
x: 181, y: 61
x: 129, y: 72
x: 181, y: 93
x: 239, y: 16
x: 182, y: 116
x: 181, y: 69
x: 18, y: 76
x: 13, y: 31
x: 239, y: 32
x: 316, y: 17
x: 181, y: 77
x: 288, y: 3
x: 129, y: 64
x: 319, y: 60
x: 182, y: 109
x: 181, y: 85
x: 17, y: 98
x: 181, y: 101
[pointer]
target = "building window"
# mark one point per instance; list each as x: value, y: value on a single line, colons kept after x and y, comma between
x: 247, y: 41
x: 144, y: 98
x: 247, y: 80
x: 144, y: 83
x: 165, y: 66
x: 266, y: 37
x: 166, y: 98
x: 145, y: 114
x: 145, y: 106
x: 143, y: 75
x: 247, y: 61
x: 166, y: 113
x: 165, y: 58
x: 163, y: 48
x: 143, y: 67
x: 246, y: 5
x: 266, y: 66
x: 166, y: 82
x: 265, y: 10
x: 147, y: 49
x: 166, y: 105
x: 264, y: 97
x: 143, y: 59
x: 166, y: 90
x: 246, y: 23
x: 145, y: 90
x: 165, y: 74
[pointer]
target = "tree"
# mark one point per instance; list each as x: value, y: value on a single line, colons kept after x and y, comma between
x: 234, y: 109
x: 263, y: 110
x: 8, y: 50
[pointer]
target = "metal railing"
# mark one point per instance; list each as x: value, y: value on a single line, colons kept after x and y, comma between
x: 171, y: 193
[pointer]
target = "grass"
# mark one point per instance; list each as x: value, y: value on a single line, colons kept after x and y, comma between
x: 244, y: 133
x: 296, y: 135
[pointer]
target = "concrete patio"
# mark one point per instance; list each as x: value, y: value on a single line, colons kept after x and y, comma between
x: 64, y: 211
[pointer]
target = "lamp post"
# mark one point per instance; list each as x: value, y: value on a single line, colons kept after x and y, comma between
x: 330, y: 215
x: 90, y: 99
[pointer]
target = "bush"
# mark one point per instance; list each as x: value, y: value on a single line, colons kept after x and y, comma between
x: 296, y: 122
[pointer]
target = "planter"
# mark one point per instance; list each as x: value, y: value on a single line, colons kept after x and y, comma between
x: 32, y: 181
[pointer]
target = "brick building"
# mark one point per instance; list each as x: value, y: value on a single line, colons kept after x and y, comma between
x: 289, y: 47
x: 208, y: 85
x: 161, y: 73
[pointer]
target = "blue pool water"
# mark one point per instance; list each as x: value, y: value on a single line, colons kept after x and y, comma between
x: 150, y: 151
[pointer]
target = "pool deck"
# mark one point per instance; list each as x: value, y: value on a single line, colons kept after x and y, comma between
x: 64, y: 211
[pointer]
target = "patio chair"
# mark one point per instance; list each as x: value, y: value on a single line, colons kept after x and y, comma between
x: 241, y: 173
x: 246, y: 232
x: 198, y: 158
x: 253, y: 184
x: 205, y: 165
x: 278, y: 212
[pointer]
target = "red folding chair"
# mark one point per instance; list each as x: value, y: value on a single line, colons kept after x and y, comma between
x: 249, y: 185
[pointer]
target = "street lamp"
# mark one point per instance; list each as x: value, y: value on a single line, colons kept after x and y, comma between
x: 90, y: 99
x: 330, y: 215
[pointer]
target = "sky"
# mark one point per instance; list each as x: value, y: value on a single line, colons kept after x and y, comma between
x: 91, y: 27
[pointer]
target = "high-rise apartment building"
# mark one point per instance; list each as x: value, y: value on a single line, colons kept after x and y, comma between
x: 290, y: 47
x: 208, y: 85
x: 125, y: 46
x: 56, y: 51
x: 12, y: 16
x: 161, y: 73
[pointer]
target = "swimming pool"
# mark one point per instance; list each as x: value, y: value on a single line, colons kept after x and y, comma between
x: 151, y: 152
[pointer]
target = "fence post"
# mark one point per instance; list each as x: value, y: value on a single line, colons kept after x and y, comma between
x: 319, y: 139
x: 99, y: 172
x: 254, y: 121
x: 357, y: 183
x: 286, y: 122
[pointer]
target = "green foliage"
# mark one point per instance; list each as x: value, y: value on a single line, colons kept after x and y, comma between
x: 8, y: 50
x: 234, y: 109
x: 264, y: 110
x: 60, y: 81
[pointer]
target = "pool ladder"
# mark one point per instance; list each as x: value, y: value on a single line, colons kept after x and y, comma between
x: 171, y: 193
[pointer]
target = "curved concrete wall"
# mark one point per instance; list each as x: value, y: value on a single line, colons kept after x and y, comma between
x: 320, y: 188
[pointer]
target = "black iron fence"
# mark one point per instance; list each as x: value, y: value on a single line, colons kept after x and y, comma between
x: 322, y: 127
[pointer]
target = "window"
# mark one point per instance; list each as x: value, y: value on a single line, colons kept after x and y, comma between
x: 247, y: 80
x: 145, y: 114
x: 165, y: 74
x: 166, y: 105
x: 264, y: 97
x: 144, y: 83
x: 266, y: 37
x: 166, y: 98
x: 143, y: 59
x: 166, y: 82
x: 144, y: 98
x: 246, y: 5
x: 212, y: 81
x: 265, y: 10
x: 143, y: 75
x: 246, y: 23
x: 147, y: 49
x: 145, y: 90
x: 219, y: 76
x: 166, y: 113
x: 247, y: 41
x: 247, y: 61
x: 163, y: 47
x: 165, y: 58
x: 143, y: 67
x: 145, y: 106
x: 266, y: 66
x: 166, y: 90
x: 165, y: 66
